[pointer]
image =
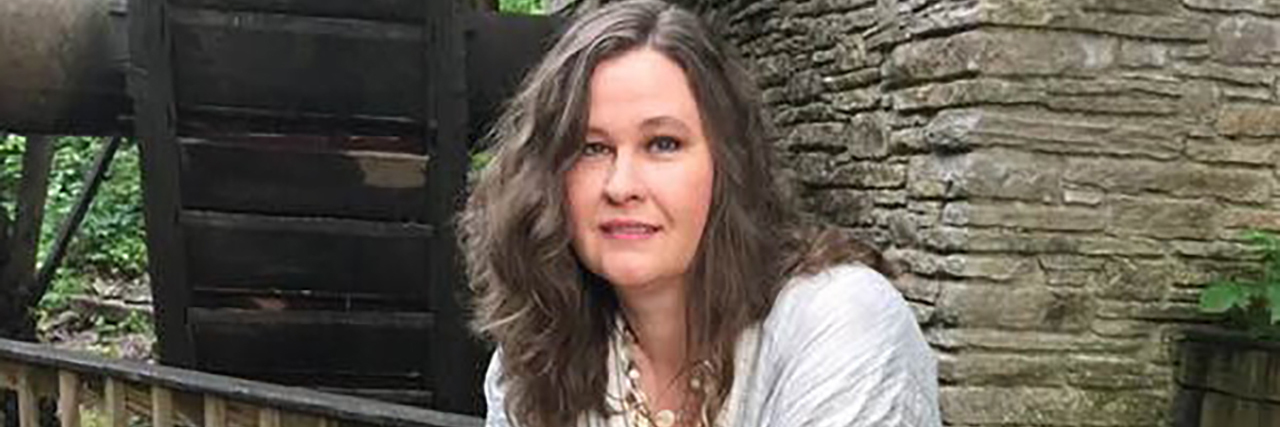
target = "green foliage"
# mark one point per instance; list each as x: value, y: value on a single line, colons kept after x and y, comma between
x: 109, y: 244
x: 1252, y: 300
x: 527, y: 7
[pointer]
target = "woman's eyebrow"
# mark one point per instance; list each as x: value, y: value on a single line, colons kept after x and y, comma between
x: 653, y: 123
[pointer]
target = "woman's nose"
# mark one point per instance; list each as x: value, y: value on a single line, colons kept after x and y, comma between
x: 623, y: 183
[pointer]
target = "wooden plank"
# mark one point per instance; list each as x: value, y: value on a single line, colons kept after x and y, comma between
x: 293, y: 399
x: 28, y: 406
x: 324, y: 344
x: 456, y: 367
x: 216, y: 120
x: 275, y: 61
x: 1221, y: 410
x: 268, y: 417
x: 303, y: 225
x: 379, y: 10
x: 161, y: 407
x: 228, y: 258
x: 393, y: 320
x: 304, y: 182
x: 68, y: 399
x: 407, y: 396
x: 116, y: 396
x: 270, y: 62
x: 20, y: 267
x: 150, y: 81
x: 215, y: 412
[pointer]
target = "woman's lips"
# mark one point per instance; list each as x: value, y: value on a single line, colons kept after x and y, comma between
x: 628, y: 229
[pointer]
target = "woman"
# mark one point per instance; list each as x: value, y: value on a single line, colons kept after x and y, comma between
x: 636, y: 264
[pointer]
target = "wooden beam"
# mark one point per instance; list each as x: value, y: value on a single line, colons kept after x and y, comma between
x: 455, y: 366
x: 68, y: 399
x: 292, y: 399
x: 115, y: 406
x: 150, y: 82
x: 28, y: 407
x: 161, y: 407
x: 215, y: 412
x: 92, y: 180
x: 306, y: 225
x: 19, y: 271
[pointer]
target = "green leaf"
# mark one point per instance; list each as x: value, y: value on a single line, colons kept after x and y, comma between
x: 1220, y: 297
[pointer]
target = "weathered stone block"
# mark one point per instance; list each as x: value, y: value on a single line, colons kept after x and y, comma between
x: 922, y: 289
x: 828, y: 137
x: 1124, y: 328
x: 1138, y: 280
x: 1248, y: 120
x: 1065, y: 15
x: 1211, y: 150
x: 1160, y: 311
x: 1052, y: 406
x: 1165, y: 218
x: 1177, y: 179
x: 1008, y: 174
x: 964, y: 93
x: 1237, y: 219
x: 967, y: 128
x: 1137, y: 54
x: 1026, y: 242
x: 1019, y: 215
x: 997, y: 52
x: 936, y: 176
x: 922, y: 263
x: 824, y: 170
x: 996, y: 268
x: 1071, y: 262
x: 1247, y: 41
x: 1215, y: 249
x: 1261, y: 7
x: 1088, y: 371
x: 1018, y: 308
x: 1028, y: 341
x: 1146, y: 7
x: 841, y: 206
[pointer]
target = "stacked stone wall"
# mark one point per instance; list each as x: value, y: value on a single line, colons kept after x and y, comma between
x: 1057, y: 178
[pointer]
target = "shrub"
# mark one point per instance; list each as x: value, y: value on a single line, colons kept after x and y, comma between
x: 1252, y: 300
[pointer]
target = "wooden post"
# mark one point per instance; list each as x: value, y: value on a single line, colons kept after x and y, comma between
x: 161, y: 407
x: 19, y: 271
x: 28, y: 408
x: 151, y: 83
x: 268, y: 417
x: 215, y: 412
x: 69, y: 399
x: 455, y: 370
x: 116, y: 394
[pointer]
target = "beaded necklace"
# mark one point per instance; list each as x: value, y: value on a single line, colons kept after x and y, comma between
x: 635, y: 403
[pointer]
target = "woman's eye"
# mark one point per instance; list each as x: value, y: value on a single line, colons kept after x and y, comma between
x: 664, y: 144
x: 592, y: 149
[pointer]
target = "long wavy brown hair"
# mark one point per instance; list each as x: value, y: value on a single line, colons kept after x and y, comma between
x: 551, y: 317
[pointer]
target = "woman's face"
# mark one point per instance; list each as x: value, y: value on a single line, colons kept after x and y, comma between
x: 640, y: 189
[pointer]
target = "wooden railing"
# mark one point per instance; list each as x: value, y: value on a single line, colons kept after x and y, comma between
x: 95, y: 391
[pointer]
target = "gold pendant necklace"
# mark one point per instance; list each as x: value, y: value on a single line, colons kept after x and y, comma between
x: 636, y: 403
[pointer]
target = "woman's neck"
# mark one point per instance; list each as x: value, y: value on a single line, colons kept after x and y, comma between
x: 657, y: 316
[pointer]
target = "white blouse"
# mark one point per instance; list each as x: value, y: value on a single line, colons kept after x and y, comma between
x: 839, y: 348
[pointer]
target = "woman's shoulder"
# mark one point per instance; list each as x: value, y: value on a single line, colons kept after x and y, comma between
x: 845, y: 293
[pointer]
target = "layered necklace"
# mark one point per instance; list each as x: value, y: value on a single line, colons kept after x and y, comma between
x: 636, y: 406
